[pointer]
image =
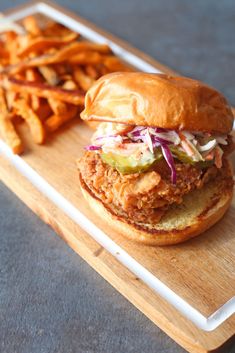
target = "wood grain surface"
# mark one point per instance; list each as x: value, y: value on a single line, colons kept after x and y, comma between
x: 201, y: 271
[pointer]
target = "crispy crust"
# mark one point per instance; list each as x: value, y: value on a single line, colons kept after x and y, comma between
x: 201, y: 210
x: 165, y: 101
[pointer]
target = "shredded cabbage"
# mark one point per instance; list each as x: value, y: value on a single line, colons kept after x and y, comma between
x: 127, y: 140
x: 170, y: 161
x: 208, y: 146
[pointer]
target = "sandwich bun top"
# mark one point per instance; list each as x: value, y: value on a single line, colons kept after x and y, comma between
x: 158, y: 100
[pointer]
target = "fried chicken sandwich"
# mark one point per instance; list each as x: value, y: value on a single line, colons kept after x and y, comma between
x: 156, y: 169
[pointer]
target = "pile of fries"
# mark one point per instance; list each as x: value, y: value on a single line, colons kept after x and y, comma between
x: 44, y: 75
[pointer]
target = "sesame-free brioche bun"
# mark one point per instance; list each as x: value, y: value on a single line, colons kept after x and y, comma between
x: 200, y: 210
x: 158, y: 100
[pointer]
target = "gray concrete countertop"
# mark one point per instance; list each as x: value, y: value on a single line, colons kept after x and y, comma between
x: 51, y: 301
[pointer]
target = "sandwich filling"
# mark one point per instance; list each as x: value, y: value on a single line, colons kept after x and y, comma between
x: 144, y: 170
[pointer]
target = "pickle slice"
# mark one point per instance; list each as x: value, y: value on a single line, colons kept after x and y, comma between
x: 184, y: 158
x: 181, y: 156
x: 129, y: 164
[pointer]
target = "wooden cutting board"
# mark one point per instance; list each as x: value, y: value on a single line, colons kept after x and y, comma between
x: 201, y: 271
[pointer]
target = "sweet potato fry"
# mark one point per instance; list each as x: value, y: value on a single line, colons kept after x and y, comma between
x: 53, y: 28
x: 55, y: 121
x: 7, y: 129
x: 3, y: 103
x: 35, y: 102
x: 91, y: 71
x: 22, y: 42
x: 84, y: 81
x: 40, y: 44
x: 35, y: 125
x: 49, y: 74
x: 10, y: 98
x: 86, y: 57
x: 75, y: 97
x: 10, y: 135
x: 31, y: 26
x: 114, y: 64
x: 57, y: 106
x: 32, y: 75
x: 11, y: 44
x: 70, y: 85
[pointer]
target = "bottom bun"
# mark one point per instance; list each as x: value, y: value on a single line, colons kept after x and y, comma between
x: 200, y: 210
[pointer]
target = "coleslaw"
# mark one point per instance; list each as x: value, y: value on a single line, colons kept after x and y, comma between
x: 188, y: 147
